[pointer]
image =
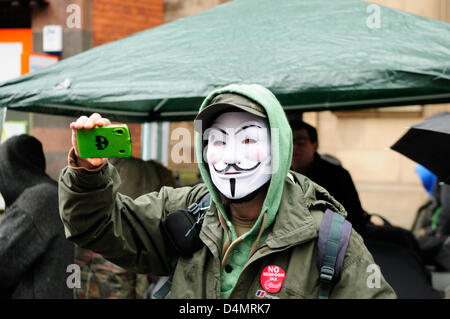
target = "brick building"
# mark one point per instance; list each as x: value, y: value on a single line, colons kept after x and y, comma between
x: 86, y: 24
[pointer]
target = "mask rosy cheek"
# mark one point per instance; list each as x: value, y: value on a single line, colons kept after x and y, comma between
x: 260, y: 155
x: 211, y: 157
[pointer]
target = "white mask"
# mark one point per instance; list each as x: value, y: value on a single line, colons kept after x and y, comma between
x: 239, y: 153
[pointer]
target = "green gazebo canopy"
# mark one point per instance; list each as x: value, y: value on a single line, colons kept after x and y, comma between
x: 313, y: 55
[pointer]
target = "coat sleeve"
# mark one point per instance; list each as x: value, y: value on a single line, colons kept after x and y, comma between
x: 127, y: 232
x: 361, y: 277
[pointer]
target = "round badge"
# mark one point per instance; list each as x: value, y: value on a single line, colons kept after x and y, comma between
x: 272, y: 278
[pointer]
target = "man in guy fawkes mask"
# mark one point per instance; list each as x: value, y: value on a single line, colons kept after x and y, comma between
x: 261, y: 226
x: 238, y: 149
x: 239, y: 156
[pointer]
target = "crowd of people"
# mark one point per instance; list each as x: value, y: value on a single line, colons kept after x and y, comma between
x: 269, y: 194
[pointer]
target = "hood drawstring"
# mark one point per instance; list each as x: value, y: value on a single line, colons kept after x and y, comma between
x: 227, y: 253
x: 261, y: 230
x: 227, y: 232
x: 227, y: 247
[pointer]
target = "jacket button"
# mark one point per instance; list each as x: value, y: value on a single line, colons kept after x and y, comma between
x: 228, y: 268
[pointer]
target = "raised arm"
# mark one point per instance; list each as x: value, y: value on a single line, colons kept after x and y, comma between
x: 128, y: 232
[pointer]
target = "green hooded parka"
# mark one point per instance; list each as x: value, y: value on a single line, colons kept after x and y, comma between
x: 130, y: 233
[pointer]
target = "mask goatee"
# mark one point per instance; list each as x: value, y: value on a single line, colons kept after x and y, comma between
x: 232, y: 186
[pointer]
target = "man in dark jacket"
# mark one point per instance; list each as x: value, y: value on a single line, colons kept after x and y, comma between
x: 34, y: 254
x: 334, y: 178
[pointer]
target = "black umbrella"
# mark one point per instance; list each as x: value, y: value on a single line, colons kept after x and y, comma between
x: 428, y: 143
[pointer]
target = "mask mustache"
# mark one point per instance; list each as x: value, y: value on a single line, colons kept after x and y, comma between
x: 236, y: 167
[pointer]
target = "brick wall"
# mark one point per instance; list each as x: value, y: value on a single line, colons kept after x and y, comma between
x: 102, y: 21
x: 116, y: 19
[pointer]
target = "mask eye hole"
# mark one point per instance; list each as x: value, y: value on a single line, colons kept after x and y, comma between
x: 219, y: 143
x: 248, y: 141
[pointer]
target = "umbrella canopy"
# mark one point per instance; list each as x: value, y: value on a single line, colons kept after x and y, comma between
x: 428, y: 143
x: 313, y: 55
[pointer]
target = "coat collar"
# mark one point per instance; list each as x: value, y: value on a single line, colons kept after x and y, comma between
x: 294, y: 222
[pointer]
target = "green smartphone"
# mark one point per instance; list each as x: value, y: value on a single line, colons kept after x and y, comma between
x: 104, y: 141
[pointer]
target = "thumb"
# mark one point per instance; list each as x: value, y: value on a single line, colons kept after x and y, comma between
x: 97, y: 161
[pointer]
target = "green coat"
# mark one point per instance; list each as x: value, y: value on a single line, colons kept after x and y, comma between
x: 129, y: 233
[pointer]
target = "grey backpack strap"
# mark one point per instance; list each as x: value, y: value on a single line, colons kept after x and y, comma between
x: 162, y: 287
x: 334, y: 235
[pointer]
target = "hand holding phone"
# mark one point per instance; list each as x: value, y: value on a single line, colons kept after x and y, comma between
x: 84, y: 122
x: 104, y: 141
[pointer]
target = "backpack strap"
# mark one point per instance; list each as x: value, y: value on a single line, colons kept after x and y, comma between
x: 334, y: 235
x: 198, y: 210
x: 164, y: 284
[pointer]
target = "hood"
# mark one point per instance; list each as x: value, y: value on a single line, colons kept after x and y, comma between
x: 281, y: 136
x: 427, y: 178
x: 22, y: 165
